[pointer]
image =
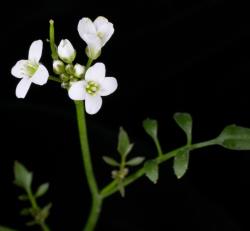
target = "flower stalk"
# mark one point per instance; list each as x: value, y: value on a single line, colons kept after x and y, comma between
x: 55, y: 79
x: 96, y: 198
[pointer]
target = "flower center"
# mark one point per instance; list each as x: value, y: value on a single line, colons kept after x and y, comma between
x: 92, y: 87
x: 30, y: 68
x: 100, y: 34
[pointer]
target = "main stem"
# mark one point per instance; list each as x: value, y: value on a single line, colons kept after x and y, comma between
x: 96, y: 198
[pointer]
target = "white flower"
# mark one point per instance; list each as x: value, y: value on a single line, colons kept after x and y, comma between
x: 95, y: 34
x: 66, y: 51
x: 93, y: 87
x: 30, y: 71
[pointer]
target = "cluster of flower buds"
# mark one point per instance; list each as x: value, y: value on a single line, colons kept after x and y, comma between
x: 119, y: 175
x: 83, y: 83
x: 64, y: 66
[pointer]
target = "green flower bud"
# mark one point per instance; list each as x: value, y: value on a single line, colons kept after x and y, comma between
x: 65, y: 85
x: 69, y: 69
x: 58, y: 67
x: 64, y: 77
x: 72, y: 78
x: 79, y: 70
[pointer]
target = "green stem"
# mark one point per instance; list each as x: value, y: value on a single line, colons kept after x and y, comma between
x: 203, y: 144
x: 123, y: 162
x: 35, y: 206
x: 44, y: 226
x: 94, y: 214
x: 88, y: 63
x: 54, y: 54
x: 96, y: 198
x: 80, y: 113
x: 32, y: 200
x: 55, y: 79
x: 112, y: 187
x: 158, y: 146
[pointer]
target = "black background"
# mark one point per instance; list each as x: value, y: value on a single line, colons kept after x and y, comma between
x: 168, y: 56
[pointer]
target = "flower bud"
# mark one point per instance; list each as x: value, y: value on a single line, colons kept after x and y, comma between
x: 66, y: 51
x: 58, y: 67
x: 65, y: 85
x: 69, y: 69
x: 119, y: 174
x: 79, y: 70
x: 64, y: 77
x: 72, y: 78
x: 92, y: 52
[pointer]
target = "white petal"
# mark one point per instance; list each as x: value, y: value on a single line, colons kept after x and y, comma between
x: 94, y: 46
x: 96, y: 73
x: 35, y: 51
x: 66, y: 51
x: 86, y: 26
x: 77, y: 90
x: 93, y: 103
x: 23, y: 87
x: 108, y: 86
x: 93, y: 40
x: 19, y: 70
x: 105, y: 29
x: 107, y: 33
x: 41, y: 75
x: 100, y: 21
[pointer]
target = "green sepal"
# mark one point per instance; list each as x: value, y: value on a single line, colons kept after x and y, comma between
x: 92, y: 53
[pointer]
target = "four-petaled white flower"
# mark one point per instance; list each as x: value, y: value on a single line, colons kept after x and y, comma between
x: 30, y: 71
x: 66, y: 51
x: 93, y: 87
x: 95, y: 34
